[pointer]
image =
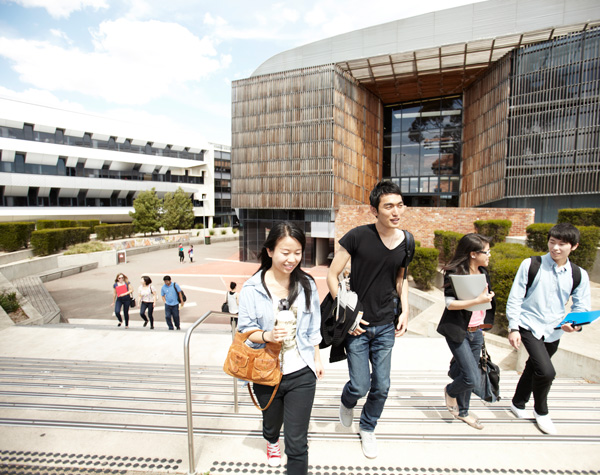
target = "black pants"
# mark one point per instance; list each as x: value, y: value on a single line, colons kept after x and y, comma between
x: 150, y: 307
x: 122, y: 303
x: 538, y: 374
x: 291, y: 406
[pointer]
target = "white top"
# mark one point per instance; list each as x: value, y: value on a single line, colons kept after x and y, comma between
x: 232, y: 302
x: 145, y: 292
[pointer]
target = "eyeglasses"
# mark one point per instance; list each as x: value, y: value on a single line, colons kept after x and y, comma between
x: 487, y: 253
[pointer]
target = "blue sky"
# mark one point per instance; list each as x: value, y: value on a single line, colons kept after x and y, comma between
x: 167, y: 62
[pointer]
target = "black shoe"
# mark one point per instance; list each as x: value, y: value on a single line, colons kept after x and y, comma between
x: 152, y: 327
x: 119, y: 324
x: 145, y: 322
x: 178, y: 328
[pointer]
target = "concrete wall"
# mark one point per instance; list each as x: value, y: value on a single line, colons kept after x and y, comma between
x: 422, y: 222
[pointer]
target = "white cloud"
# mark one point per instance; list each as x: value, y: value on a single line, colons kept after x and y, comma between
x: 214, y: 21
x: 132, y: 63
x: 60, y: 35
x: 63, y: 8
x: 38, y: 96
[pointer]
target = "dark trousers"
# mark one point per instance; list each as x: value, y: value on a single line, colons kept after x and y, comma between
x: 122, y: 302
x: 172, y: 311
x: 150, y: 307
x: 538, y: 374
x: 291, y: 406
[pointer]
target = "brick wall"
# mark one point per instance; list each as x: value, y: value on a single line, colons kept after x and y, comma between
x: 422, y: 222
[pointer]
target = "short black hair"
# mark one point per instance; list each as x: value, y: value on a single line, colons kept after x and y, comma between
x: 384, y: 187
x: 565, y: 232
x: 166, y: 277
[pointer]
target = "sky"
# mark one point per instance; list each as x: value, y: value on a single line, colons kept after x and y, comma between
x: 166, y: 62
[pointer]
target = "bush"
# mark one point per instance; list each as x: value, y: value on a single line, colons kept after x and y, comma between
x: 423, y: 268
x: 223, y: 231
x: 49, y: 241
x: 199, y: 226
x: 234, y: 230
x: 55, y: 224
x: 114, y: 231
x: 14, y: 236
x: 579, y: 216
x: 88, y: 223
x: 585, y: 254
x: 87, y: 247
x: 9, y: 302
x: 445, y: 242
x: 211, y: 232
x: 495, y: 229
x: 537, y: 236
x: 225, y: 225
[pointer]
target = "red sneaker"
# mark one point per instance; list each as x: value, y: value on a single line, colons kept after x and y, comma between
x: 273, y: 454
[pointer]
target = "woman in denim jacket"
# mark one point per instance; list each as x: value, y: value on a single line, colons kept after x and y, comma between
x: 279, y: 285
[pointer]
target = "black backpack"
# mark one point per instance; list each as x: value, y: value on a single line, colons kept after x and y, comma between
x: 410, y: 248
x: 534, y: 267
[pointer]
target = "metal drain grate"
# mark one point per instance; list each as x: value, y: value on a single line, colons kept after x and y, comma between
x: 17, y: 462
x: 222, y: 468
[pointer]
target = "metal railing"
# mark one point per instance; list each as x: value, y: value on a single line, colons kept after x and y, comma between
x: 188, y: 388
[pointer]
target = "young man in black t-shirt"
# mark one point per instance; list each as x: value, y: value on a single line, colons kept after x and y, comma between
x: 378, y: 254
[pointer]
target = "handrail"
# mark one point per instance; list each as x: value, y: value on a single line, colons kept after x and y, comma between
x: 188, y: 392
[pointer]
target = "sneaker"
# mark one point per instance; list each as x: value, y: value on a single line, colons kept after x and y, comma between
x: 273, y: 454
x: 520, y: 413
x: 368, y: 443
x: 346, y: 415
x: 545, y: 424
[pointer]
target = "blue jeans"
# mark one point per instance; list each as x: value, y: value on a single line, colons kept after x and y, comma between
x: 122, y: 302
x: 465, y: 369
x: 374, y: 346
x: 172, y: 311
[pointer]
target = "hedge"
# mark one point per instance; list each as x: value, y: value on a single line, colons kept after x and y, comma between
x: 67, y: 223
x: 114, y: 231
x: 445, y: 242
x: 50, y: 241
x: 584, y: 256
x: 423, y: 267
x: 495, y: 229
x: 14, y: 236
x: 579, y: 216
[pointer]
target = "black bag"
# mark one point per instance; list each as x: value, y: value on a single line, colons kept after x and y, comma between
x: 182, y: 293
x: 225, y: 308
x: 489, y: 388
x: 131, y: 302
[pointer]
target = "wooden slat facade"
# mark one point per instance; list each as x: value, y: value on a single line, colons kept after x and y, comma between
x: 485, y: 137
x: 304, y: 139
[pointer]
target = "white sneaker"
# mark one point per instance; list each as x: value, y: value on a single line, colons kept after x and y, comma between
x: 520, y: 413
x: 545, y: 424
x: 273, y: 454
x: 368, y: 443
x: 346, y: 415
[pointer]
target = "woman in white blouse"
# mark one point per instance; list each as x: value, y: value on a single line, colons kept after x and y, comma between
x: 147, y: 295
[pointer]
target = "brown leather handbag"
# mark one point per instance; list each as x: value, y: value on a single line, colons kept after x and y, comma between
x: 259, y: 366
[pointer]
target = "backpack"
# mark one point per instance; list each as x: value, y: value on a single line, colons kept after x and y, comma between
x: 182, y: 293
x: 534, y: 267
x: 410, y: 248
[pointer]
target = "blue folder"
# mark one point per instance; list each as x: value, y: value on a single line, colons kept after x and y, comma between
x: 580, y: 318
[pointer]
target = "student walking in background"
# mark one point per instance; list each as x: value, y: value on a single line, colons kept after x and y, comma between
x: 534, y: 313
x: 171, y: 295
x: 280, y: 284
x: 232, y: 301
x: 181, y: 254
x: 463, y: 328
x: 147, y: 296
x: 122, y: 293
x: 191, y: 253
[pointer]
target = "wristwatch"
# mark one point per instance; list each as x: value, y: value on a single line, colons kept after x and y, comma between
x: 512, y: 330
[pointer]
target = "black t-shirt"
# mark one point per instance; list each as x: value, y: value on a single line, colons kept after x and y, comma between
x: 374, y: 272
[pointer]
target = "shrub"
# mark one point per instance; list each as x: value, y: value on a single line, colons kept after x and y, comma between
x: 87, y: 247
x: 579, y: 216
x: 14, y: 236
x: 495, y: 229
x: 585, y: 254
x: 56, y: 223
x: 88, y: 223
x: 234, y: 230
x: 9, y: 302
x: 199, y: 226
x: 223, y: 231
x: 225, y: 225
x: 214, y: 225
x: 49, y: 241
x: 211, y: 232
x: 445, y: 242
x: 423, y: 268
x: 537, y: 236
x: 114, y: 231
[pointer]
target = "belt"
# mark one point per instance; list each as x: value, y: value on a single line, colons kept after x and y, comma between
x: 474, y: 329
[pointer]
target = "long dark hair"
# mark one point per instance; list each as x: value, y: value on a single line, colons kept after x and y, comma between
x: 298, y: 276
x: 469, y: 243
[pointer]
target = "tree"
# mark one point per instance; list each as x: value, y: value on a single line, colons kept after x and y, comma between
x: 178, y: 211
x: 146, y: 217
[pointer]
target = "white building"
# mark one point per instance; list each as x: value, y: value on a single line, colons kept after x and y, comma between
x: 58, y: 164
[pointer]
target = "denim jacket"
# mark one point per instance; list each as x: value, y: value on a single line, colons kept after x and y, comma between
x: 256, y: 312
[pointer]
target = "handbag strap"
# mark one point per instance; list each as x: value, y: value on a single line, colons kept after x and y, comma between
x: 270, y: 400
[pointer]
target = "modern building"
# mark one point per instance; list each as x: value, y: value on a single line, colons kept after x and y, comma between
x: 61, y: 164
x: 494, y: 104
x: 222, y: 162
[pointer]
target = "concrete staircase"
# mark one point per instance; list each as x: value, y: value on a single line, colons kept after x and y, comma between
x: 86, y: 416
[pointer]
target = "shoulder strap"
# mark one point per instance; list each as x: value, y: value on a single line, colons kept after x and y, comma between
x: 410, y: 247
x: 576, y: 271
x: 534, y: 267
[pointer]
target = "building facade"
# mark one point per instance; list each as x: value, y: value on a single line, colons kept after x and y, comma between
x: 60, y: 164
x: 493, y: 104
